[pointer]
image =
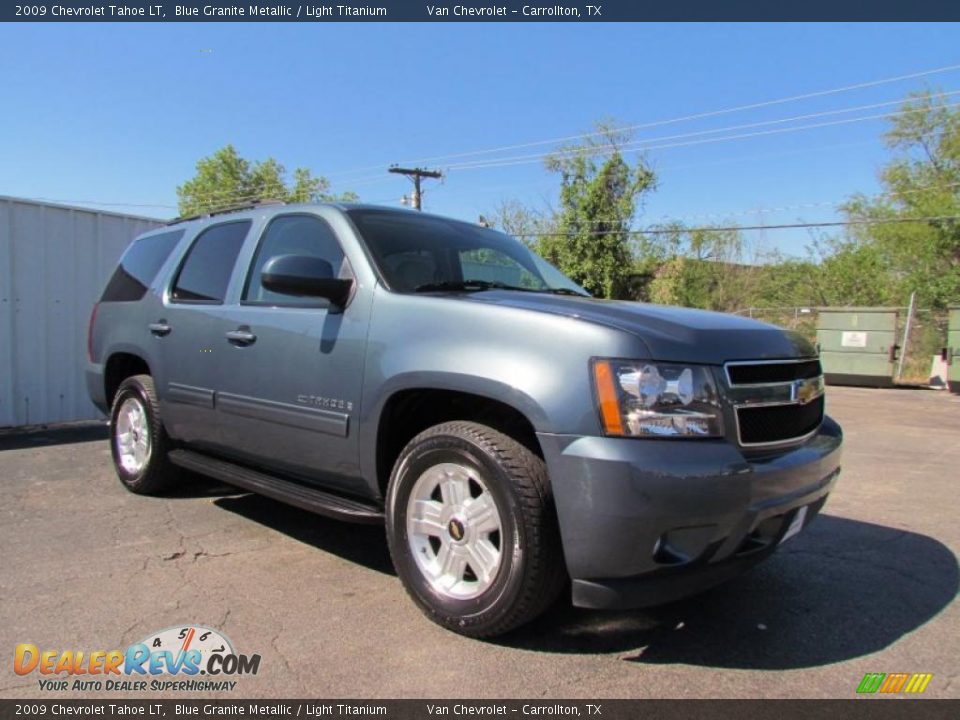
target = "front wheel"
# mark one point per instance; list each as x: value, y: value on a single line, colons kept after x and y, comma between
x: 472, y: 530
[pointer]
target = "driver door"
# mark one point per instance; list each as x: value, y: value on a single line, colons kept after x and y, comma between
x: 290, y: 396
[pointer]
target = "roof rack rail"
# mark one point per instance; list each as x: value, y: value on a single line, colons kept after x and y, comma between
x: 227, y: 209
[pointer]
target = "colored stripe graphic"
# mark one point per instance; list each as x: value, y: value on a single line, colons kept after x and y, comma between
x: 918, y: 683
x: 871, y: 682
x: 893, y: 683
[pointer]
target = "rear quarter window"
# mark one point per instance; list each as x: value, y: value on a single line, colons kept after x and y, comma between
x: 139, y: 266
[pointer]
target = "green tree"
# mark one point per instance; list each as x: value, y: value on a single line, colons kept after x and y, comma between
x: 921, y: 181
x: 785, y: 282
x: 701, y: 267
x: 852, y: 271
x: 599, y: 195
x: 525, y: 223
x: 224, y: 179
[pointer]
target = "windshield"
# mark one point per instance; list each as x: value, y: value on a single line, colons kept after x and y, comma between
x: 422, y: 253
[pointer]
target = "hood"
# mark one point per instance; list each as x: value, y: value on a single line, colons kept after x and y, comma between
x: 671, y: 334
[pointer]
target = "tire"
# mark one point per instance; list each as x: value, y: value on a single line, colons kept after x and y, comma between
x: 139, y: 446
x: 440, y: 524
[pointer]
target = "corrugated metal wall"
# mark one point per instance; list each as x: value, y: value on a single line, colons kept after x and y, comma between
x: 54, y: 261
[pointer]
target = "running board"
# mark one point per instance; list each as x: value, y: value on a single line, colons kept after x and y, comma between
x: 286, y: 491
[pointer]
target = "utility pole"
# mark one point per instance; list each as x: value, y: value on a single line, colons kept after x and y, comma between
x: 415, y: 174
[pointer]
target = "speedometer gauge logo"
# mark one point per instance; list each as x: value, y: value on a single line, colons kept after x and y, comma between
x: 180, y: 640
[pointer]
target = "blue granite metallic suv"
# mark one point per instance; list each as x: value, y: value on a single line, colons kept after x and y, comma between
x: 515, y: 436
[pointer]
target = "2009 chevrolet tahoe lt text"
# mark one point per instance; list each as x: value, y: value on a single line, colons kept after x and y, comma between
x: 512, y: 433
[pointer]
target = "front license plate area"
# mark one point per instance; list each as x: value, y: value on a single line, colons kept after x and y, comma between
x: 796, y: 525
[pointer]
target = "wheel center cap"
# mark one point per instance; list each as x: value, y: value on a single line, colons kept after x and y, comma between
x: 456, y: 529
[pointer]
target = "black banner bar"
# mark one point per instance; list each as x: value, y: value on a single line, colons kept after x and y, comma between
x: 873, y: 708
x: 473, y: 11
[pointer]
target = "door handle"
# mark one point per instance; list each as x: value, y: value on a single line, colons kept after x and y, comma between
x: 160, y: 328
x: 241, y: 337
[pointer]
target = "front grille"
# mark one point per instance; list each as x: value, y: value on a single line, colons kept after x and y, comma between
x: 778, y: 423
x: 756, y: 373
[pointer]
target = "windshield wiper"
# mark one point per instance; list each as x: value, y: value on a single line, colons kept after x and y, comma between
x: 468, y: 286
x: 480, y: 285
x: 563, y: 291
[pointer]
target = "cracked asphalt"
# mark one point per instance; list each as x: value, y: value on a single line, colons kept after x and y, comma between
x: 870, y: 587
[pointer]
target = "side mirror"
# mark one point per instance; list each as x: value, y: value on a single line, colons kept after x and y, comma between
x: 305, y: 275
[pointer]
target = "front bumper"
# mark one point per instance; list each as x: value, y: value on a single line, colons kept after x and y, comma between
x: 645, y: 521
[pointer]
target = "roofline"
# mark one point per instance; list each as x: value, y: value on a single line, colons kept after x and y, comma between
x: 227, y: 210
x: 271, y: 204
x: 79, y: 208
x: 343, y: 206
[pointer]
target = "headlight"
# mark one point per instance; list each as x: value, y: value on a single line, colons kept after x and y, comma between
x: 650, y: 399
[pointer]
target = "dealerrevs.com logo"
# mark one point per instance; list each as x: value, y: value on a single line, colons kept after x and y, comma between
x: 190, y: 658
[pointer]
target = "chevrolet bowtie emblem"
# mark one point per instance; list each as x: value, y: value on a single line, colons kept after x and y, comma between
x: 803, y: 391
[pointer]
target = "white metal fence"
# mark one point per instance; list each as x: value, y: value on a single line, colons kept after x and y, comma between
x: 54, y: 260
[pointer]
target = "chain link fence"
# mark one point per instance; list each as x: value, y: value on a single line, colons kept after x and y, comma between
x: 919, y: 346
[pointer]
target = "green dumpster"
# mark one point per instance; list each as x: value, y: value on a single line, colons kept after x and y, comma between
x: 858, y: 346
x: 953, y: 349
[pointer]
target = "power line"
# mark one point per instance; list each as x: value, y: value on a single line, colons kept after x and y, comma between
x: 740, y: 158
x: 544, y: 183
x: 245, y: 193
x: 379, y: 178
x: 96, y: 202
x: 762, y: 156
x: 253, y: 193
x: 732, y: 228
x: 669, y: 121
x: 225, y: 203
x: 640, y: 145
x: 643, y: 146
x: 658, y: 123
x: 823, y: 203
x: 227, y: 197
x: 223, y: 196
x: 700, y: 133
x: 237, y: 199
x: 797, y: 206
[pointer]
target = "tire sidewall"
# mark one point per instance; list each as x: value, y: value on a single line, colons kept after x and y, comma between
x: 501, y: 595
x: 132, y: 388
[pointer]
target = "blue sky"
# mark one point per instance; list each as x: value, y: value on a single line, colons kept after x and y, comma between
x: 117, y: 113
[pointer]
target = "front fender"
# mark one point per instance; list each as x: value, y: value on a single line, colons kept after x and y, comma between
x: 486, y: 387
x: 537, y: 363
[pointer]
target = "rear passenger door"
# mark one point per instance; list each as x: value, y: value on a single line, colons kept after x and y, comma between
x: 290, y: 392
x: 186, y: 333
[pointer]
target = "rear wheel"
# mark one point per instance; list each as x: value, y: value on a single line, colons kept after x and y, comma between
x: 138, y: 442
x: 472, y: 530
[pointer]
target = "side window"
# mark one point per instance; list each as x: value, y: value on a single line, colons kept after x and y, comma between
x: 139, y: 266
x: 493, y: 266
x: 206, y: 271
x: 293, y: 235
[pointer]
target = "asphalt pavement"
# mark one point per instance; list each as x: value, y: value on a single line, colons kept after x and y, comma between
x: 870, y: 587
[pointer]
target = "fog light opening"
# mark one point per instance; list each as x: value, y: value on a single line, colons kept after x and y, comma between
x: 664, y: 554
